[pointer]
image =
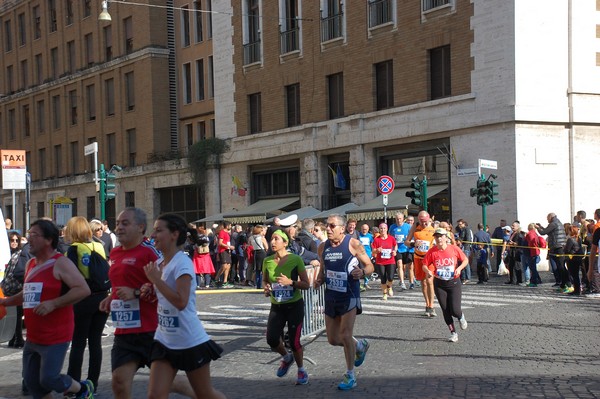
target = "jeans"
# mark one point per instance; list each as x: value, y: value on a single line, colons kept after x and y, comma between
x: 465, y: 274
x: 526, y: 269
x: 531, y: 262
x: 89, y: 324
x: 242, y: 268
x: 42, y: 380
x: 554, y: 266
x: 574, y: 266
x: 559, y: 260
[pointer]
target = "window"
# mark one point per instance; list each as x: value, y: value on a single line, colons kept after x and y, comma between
x: 7, y: 36
x: 24, y: 74
x: 41, y: 209
x: 26, y: 121
x: 111, y: 149
x: 56, y: 112
x: 290, y: 28
x: 439, y: 64
x: 198, y: 15
x: 187, y: 201
x: 380, y: 12
x: 129, y: 199
x: 254, y: 111
x: 199, y: 80
x: 128, y: 29
x: 37, y: 22
x: 10, y: 76
x: 187, y: 83
x: 12, y: 125
x: 91, y: 207
x: 332, y: 19
x: 129, y: 91
x: 430, y: 4
x: 73, y: 106
x: 74, y: 158
x: 54, y: 63
x: 71, y: 56
x: 252, y: 32
x: 131, y: 147
x: 185, y: 26
x: 90, y: 161
x: 335, y: 95
x: 87, y: 8
x: 276, y: 183
x: 39, y: 69
x: 41, y: 117
x: 109, y: 95
x: 90, y: 99
x: 211, y: 78
x: 52, y: 15
x: 202, y: 130
x: 108, y: 53
x: 74, y: 206
x: 57, y: 160
x: 292, y: 104
x: 89, y: 49
x: 22, y: 30
x: 209, y: 18
x: 213, y: 128
x: 42, y: 163
x: 384, y: 85
x: 189, y: 134
x: 68, y: 12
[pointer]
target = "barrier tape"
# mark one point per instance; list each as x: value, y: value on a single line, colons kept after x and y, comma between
x: 522, y: 246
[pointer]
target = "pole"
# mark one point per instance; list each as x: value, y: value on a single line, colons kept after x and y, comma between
x: 102, y: 193
x: 484, y: 215
x: 425, y: 193
x: 27, y: 200
x: 14, y: 210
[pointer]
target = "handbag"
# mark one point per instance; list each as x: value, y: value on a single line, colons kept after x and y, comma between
x: 502, y: 270
x: 10, y: 285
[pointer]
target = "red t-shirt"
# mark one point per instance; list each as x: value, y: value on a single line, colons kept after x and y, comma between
x: 224, y: 235
x: 445, y: 261
x: 40, y: 285
x: 385, y: 256
x: 534, y: 242
x: 127, y: 270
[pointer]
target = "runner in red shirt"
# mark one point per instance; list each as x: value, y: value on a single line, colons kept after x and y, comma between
x: 384, y: 251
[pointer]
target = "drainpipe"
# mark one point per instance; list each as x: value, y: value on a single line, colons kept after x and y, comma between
x: 570, y: 104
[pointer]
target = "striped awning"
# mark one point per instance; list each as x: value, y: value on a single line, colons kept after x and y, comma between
x: 259, y: 211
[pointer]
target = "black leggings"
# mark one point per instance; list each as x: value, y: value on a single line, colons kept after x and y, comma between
x: 449, y: 295
x: 386, y: 272
x: 574, y: 265
x: 293, y: 315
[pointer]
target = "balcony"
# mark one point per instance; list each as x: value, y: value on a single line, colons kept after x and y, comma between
x: 331, y: 27
x: 290, y: 40
x: 380, y: 12
x: 252, y: 52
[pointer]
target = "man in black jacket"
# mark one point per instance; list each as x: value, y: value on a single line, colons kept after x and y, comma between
x: 306, y: 237
x: 556, y: 250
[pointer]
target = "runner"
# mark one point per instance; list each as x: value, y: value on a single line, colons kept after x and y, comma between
x: 384, y: 249
x: 284, y: 275
x: 132, y: 304
x: 440, y: 263
x: 422, y: 233
x: 341, y: 256
x: 52, y: 285
x: 399, y: 231
x: 180, y: 342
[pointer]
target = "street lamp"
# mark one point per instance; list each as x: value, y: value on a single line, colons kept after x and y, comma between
x: 104, y: 15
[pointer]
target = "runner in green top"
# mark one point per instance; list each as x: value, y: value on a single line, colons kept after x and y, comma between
x: 284, y: 275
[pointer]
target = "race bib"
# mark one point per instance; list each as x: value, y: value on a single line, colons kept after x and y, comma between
x: 365, y: 241
x: 386, y: 253
x: 32, y: 294
x: 125, y: 314
x: 445, y: 272
x: 422, y: 246
x: 399, y: 238
x: 168, y: 319
x: 337, y: 281
x: 282, y: 293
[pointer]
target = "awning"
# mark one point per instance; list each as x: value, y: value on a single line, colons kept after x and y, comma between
x: 260, y: 210
x: 213, y: 218
x: 373, y: 209
x: 338, y: 210
x: 302, y: 213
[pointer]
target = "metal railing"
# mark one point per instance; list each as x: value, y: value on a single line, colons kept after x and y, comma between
x: 429, y: 4
x: 331, y: 27
x: 380, y: 12
x: 252, y: 52
x: 314, y: 308
x: 290, y: 40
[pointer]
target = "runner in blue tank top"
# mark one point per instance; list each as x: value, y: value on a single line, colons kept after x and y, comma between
x: 345, y: 262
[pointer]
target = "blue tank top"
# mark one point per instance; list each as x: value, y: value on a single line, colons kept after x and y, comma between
x: 400, y: 233
x: 339, y: 262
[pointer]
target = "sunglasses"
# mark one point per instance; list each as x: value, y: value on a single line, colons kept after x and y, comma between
x: 333, y: 226
x: 14, y: 240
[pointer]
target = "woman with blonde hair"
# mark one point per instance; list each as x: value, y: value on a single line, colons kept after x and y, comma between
x: 89, y: 320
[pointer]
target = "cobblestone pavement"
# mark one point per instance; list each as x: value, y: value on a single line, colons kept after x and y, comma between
x: 521, y: 343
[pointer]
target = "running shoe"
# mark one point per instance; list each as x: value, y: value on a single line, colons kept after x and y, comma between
x: 302, y: 378
x: 88, y: 392
x: 402, y: 286
x: 568, y: 290
x: 463, y: 322
x: 426, y: 312
x: 347, y: 383
x: 453, y: 337
x: 411, y: 286
x: 360, y: 355
x: 385, y: 296
x: 284, y: 366
x: 532, y: 285
x: 432, y: 312
x: 390, y: 291
x: 362, y: 288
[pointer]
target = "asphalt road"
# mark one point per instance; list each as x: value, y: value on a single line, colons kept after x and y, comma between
x: 521, y: 343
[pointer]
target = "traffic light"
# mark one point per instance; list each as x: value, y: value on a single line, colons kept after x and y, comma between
x: 492, y: 194
x: 109, y: 186
x: 416, y: 195
x: 481, y: 192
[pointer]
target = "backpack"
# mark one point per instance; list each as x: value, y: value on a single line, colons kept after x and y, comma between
x: 97, y: 268
x: 542, y: 242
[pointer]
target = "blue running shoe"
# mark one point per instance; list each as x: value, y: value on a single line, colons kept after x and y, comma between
x: 284, y: 367
x: 302, y: 378
x: 347, y: 383
x: 88, y: 392
x: 360, y: 355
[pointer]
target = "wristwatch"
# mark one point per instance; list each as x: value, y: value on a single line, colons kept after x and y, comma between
x: 136, y: 293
